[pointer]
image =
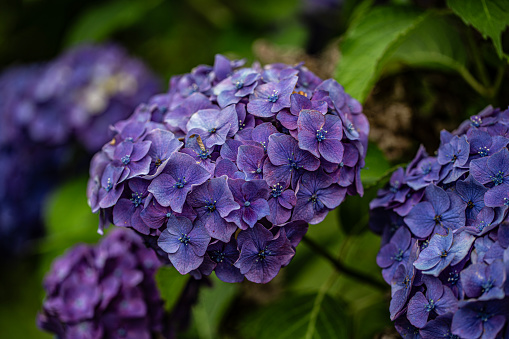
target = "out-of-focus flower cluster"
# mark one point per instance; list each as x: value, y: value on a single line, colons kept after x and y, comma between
x: 227, y: 168
x: 445, y: 234
x: 106, y: 291
x: 48, y: 113
x: 76, y: 96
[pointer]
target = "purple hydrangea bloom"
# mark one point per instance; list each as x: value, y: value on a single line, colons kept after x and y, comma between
x: 440, y: 210
x: 287, y: 161
x: 252, y: 198
x: 455, y: 209
x: 224, y: 256
x: 55, y: 116
x: 228, y: 148
x: 262, y: 254
x: 180, y: 174
x: 396, y: 252
x: 443, y: 251
x: 438, y: 299
x: 321, y: 135
x: 185, y: 243
x: 480, y: 319
x: 101, y: 291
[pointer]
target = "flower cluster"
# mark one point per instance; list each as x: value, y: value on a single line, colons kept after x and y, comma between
x: 445, y: 234
x: 106, y: 291
x: 229, y: 166
x: 45, y: 110
x: 76, y: 96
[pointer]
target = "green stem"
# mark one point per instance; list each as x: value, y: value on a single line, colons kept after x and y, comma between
x: 479, y: 88
x: 340, y: 267
x: 498, y: 80
x: 481, y: 70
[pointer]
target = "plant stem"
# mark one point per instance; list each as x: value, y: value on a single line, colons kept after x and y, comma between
x: 481, y: 70
x: 479, y: 88
x: 340, y: 267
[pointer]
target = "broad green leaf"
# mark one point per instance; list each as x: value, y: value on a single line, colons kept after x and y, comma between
x: 490, y: 17
x: 212, y: 305
x: 68, y: 218
x: 296, y: 316
x: 307, y: 270
x: 354, y: 212
x: 376, y: 165
x: 101, y: 21
x: 367, y: 41
x: 434, y: 43
x: 170, y: 284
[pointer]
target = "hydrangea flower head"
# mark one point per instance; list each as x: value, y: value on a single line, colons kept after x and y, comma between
x: 49, y: 113
x: 230, y: 165
x: 104, y: 291
x: 454, y: 207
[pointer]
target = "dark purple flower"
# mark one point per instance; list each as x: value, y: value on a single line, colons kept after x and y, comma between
x: 250, y: 160
x: 479, y: 319
x: 240, y: 84
x: 483, y: 281
x: 224, y: 256
x: 103, y: 291
x: 440, y: 210
x: 213, y: 201
x: 126, y: 212
x: 394, y: 253
x: 202, y: 155
x: 133, y: 158
x: 440, y: 327
x: 406, y: 329
x: 185, y: 243
x: 178, y: 117
x: 402, y: 282
x: 438, y: 299
x: 472, y: 193
x: 281, y: 202
x: 270, y: 98
x: 396, y: 192
x: 289, y: 117
x: 422, y: 171
x: 443, y: 251
x: 156, y: 216
x: 252, y: 198
x: 321, y: 135
x: 495, y: 170
x: 482, y: 144
x: 262, y: 132
x: 232, y: 120
x: 213, y: 125
x: 262, y: 254
x: 163, y: 145
x: 180, y: 174
x: 286, y: 159
x: 316, y: 195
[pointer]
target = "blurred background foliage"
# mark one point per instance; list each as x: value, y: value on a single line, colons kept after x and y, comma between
x: 417, y: 66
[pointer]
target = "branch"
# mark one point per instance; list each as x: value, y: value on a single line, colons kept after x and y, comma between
x: 340, y: 267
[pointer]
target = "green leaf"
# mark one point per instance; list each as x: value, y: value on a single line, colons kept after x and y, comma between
x: 101, y: 21
x: 211, y: 307
x: 170, y: 284
x: 68, y: 217
x: 490, y: 17
x: 376, y: 165
x: 309, y: 316
x: 367, y: 41
x: 434, y: 43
